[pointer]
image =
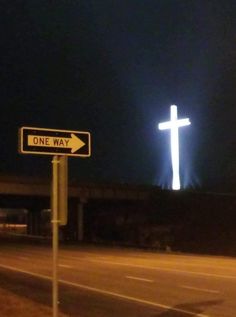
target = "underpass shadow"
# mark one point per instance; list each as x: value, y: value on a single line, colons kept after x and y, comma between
x: 183, y: 310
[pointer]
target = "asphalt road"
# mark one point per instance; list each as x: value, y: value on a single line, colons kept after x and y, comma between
x: 112, y: 282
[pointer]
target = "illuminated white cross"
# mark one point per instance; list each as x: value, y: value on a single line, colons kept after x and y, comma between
x: 174, y: 124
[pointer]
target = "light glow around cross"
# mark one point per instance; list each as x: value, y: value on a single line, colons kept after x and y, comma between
x: 174, y: 124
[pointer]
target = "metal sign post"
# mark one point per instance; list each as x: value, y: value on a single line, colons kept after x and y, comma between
x: 59, y: 217
x: 63, y: 190
x: 55, y: 223
x: 60, y: 144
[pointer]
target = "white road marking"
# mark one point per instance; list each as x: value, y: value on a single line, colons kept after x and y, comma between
x: 105, y: 292
x: 12, y: 268
x: 158, y: 268
x: 134, y: 299
x: 198, y: 264
x: 139, y: 279
x: 23, y: 257
x: 65, y: 266
x: 200, y: 289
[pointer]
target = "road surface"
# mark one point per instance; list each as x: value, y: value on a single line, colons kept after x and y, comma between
x: 113, y: 282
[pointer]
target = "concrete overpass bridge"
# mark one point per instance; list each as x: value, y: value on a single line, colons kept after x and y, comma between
x: 33, y: 195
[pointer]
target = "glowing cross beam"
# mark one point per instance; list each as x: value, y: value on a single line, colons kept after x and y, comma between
x: 174, y: 124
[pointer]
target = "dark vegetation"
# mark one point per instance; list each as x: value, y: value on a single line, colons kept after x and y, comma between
x: 173, y: 221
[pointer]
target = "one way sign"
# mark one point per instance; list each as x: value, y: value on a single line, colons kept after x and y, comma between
x: 54, y: 142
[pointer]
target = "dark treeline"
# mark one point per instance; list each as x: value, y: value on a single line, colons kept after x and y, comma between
x: 171, y: 221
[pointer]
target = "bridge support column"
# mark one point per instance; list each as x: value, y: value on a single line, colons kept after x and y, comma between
x: 80, y: 223
x: 33, y: 222
x: 29, y: 222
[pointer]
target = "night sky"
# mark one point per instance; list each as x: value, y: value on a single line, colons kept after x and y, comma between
x: 114, y: 67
